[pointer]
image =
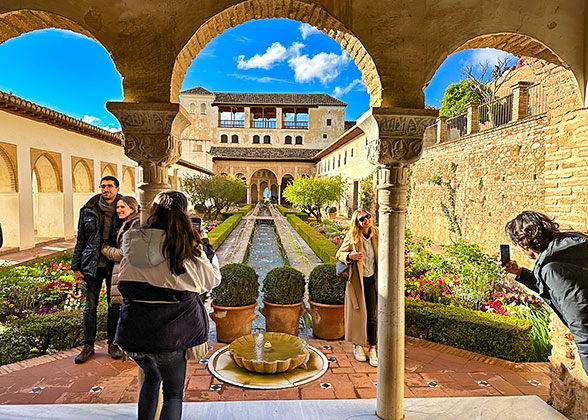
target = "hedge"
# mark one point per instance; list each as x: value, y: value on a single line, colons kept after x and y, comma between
x: 245, y: 209
x: 481, y: 332
x: 218, y: 235
x: 322, y: 247
x: 285, y: 212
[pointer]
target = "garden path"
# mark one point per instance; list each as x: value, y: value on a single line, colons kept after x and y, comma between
x: 45, y: 249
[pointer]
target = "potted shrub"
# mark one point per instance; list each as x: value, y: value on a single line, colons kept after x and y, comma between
x: 332, y: 212
x: 283, y: 295
x: 326, y: 291
x: 234, y: 301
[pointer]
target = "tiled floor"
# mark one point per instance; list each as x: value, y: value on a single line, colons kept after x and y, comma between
x: 432, y: 370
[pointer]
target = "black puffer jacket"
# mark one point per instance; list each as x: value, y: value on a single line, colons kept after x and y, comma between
x: 560, y: 276
x: 87, y: 250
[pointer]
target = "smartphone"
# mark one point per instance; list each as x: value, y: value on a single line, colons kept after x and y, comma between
x: 196, y: 222
x: 504, y: 254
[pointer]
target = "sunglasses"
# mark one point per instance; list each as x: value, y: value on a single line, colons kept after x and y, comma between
x: 364, y: 218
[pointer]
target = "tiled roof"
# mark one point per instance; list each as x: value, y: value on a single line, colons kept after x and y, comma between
x: 291, y: 99
x: 193, y: 166
x: 262, y: 153
x: 349, y: 125
x: 31, y: 110
x: 198, y: 91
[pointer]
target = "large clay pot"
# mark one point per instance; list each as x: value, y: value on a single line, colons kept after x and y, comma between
x: 282, y: 318
x: 232, y: 321
x: 328, y: 321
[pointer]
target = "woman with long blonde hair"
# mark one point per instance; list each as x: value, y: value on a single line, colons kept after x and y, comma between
x: 360, y: 249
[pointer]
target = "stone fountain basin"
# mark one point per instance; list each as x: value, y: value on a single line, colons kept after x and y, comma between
x: 287, y: 352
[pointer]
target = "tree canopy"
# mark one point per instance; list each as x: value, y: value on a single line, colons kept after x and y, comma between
x: 310, y: 194
x: 457, y: 96
x: 211, y: 195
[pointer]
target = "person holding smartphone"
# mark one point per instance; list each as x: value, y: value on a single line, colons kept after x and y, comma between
x: 560, y: 274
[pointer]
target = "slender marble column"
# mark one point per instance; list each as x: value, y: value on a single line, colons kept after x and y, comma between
x: 151, y: 138
x: 395, y: 139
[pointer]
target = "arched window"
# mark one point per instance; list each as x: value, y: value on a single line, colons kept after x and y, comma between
x: 288, y: 140
x: 192, y: 108
x: 298, y: 139
x: 267, y: 140
x: 224, y: 138
x: 256, y: 139
x: 203, y: 108
x: 234, y: 138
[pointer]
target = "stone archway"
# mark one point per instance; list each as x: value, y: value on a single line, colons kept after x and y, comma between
x: 297, y: 10
x: 128, y: 181
x: 48, y: 203
x: 9, y: 217
x: 262, y: 179
x: 286, y: 180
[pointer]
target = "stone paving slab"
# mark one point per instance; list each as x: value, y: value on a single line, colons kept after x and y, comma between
x: 431, y: 370
x: 45, y: 249
x: 480, y: 408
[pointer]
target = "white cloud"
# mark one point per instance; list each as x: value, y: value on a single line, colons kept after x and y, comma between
x: 323, y: 66
x: 111, y: 129
x: 488, y: 55
x: 307, y: 30
x: 340, y: 91
x: 90, y: 119
x: 274, y: 54
x: 265, y: 79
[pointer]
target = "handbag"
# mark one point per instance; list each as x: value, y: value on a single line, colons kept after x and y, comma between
x: 344, y: 270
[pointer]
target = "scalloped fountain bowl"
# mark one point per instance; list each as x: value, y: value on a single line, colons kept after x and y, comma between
x: 269, y: 352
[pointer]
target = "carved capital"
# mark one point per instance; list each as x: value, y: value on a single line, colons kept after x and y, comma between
x: 395, y: 135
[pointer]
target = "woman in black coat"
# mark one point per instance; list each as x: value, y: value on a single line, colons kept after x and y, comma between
x: 560, y: 275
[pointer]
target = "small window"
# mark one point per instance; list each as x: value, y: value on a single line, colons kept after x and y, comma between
x: 203, y: 108
x: 256, y: 139
x: 325, y: 136
x: 267, y: 140
x: 192, y: 108
x: 298, y: 139
x: 234, y: 138
x: 288, y: 140
x: 345, y: 158
x: 352, y: 152
x: 224, y: 138
x: 339, y: 161
x: 196, y: 147
x: 329, y: 122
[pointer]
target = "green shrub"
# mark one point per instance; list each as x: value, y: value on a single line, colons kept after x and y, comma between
x: 283, y: 210
x: 226, y: 214
x: 490, y: 334
x: 322, y: 247
x: 332, y: 209
x: 36, y: 335
x: 325, y: 286
x: 302, y: 216
x: 238, y: 286
x: 245, y: 209
x: 283, y: 286
x: 218, y: 235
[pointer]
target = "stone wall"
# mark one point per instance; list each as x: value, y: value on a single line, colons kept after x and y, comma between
x: 496, y: 174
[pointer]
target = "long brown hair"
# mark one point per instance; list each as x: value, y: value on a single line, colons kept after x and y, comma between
x: 182, y: 241
x: 355, y: 226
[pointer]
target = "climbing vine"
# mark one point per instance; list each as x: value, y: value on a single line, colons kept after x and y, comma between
x: 449, y: 207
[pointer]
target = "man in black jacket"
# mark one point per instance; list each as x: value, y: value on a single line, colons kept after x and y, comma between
x: 560, y: 275
x: 90, y: 267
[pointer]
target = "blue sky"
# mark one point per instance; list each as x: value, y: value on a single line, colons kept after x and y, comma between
x: 75, y: 75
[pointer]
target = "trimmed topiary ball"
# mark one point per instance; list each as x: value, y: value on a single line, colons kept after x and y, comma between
x: 283, y: 286
x: 238, y: 287
x: 325, y: 286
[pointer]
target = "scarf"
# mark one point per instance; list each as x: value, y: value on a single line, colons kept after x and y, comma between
x: 107, y: 216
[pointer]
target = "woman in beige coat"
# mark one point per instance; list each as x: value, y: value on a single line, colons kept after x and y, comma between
x: 127, y: 210
x: 360, y: 246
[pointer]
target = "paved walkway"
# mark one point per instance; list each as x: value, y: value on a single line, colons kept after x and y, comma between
x: 45, y: 249
x: 432, y: 370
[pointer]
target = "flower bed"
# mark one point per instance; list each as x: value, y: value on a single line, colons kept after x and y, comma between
x: 37, y: 313
x: 332, y: 230
x: 464, y: 277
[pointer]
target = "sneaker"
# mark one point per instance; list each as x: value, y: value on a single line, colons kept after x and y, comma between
x: 115, y: 351
x: 373, y: 357
x: 359, y: 354
x: 86, y: 352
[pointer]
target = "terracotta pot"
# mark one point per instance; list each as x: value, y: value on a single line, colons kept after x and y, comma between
x: 332, y: 215
x: 282, y: 318
x: 328, y: 321
x: 232, y: 321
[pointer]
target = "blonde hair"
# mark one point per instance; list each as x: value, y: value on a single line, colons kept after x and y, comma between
x: 355, y: 228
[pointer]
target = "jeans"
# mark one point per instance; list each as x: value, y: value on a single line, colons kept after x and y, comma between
x: 169, y: 367
x: 111, y: 323
x: 93, y: 287
x: 371, y: 308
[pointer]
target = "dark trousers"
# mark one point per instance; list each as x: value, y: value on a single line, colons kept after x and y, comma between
x: 93, y: 287
x: 371, y: 308
x: 169, y: 368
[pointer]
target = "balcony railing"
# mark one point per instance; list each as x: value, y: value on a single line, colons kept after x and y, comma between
x: 263, y: 124
x: 302, y: 125
x: 457, y: 126
x: 496, y: 113
x: 231, y: 123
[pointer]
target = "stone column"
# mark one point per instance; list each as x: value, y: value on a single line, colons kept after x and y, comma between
x: 441, y: 129
x: 151, y: 137
x: 26, y: 214
x: 279, y: 118
x: 395, y: 140
x: 473, y: 117
x: 280, y: 194
x: 520, y: 100
x: 247, y: 123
